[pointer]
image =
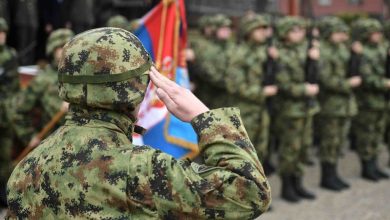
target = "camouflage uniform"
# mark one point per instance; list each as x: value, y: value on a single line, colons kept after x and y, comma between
x: 212, y: 57
x: 42, y: 94
x: 337, y: 100
x: 369, y: 124
x: 293, y: 111
x: 244, y: 80
x: 200, y: 42
x: 90, y: 169
x: 9, y: 85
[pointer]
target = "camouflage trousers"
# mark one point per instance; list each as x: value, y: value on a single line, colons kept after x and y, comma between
x: 369, y: 129
x: 293, y: 135
x: 333, y: 132
x: 256, y: 121
x: 307, y: 141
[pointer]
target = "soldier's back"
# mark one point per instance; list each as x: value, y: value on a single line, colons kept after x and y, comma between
x: 82, y: 171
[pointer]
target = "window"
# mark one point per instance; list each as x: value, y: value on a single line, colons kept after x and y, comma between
x: 324, y: 2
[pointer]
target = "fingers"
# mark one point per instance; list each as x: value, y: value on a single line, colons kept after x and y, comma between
x: 169, y: 87
x: 162, y: 81
x: 169, y: 103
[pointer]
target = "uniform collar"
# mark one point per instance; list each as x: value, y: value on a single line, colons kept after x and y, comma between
x: 101, y: 118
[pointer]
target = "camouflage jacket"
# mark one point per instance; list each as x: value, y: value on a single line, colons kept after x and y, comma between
x: 292, y: 100
x: 88, y: 169
x: 9, y: 77
x: 212, y: 57
x: 336, y: 95
x: 245, y: 73
x: 41, y: 94
x: 371, y: 95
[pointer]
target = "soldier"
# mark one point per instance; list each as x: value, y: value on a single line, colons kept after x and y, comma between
x: 199, y: 43
x: 212, y: 57
x: 42, y: 94
x: 118, y: 21
x: 337, y: 100
x: 9, y: 85
x: 295, y: 105
x: 89, y: 167
x: 246, y: 80
x: 369, y: 124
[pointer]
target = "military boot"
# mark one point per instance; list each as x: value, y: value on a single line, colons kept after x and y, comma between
x: 269, y: 168
x: 342, y: 182
x: 288, y: 191
x: 300, y: 190
x: 369, y: 171
x: 380, y: 173
x: 329, y: 177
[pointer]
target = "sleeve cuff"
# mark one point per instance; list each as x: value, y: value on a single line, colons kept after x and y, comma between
x: 218, y: 125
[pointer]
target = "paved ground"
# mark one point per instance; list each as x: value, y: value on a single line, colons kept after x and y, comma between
x: 365, y: 201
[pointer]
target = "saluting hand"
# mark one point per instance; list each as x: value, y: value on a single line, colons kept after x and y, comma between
x: 178, y: 100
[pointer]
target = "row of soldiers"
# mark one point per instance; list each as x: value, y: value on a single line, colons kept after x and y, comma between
x: 301, y: 78
x: 25, y: 112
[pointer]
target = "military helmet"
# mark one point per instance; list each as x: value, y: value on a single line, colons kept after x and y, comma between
x: 58, y: 38
x: 133, y: 25
x: 204, y: 21
x: 251, y: 22
x: 284, y: 25
x: 363, y: 28
x: 329, y: 25
x: 3, y: 25
x: 104, y: 68
x: 221, y: 20
x: 118, y: 21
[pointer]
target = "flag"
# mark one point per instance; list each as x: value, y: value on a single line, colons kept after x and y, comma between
x: 163, y: 32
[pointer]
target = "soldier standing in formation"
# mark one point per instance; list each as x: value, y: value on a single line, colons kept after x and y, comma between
x: 295, y: 105
x: 9, y: 85
x: 337, y: 100
x: 369, y: 124
x: 212, y: 51
x: 245, y: 80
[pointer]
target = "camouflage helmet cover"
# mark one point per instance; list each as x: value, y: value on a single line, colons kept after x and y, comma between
x: 104, y: 68
x: 204, y: 21
x: 284, y: 25
x: 251, y: 22
x: 363, y: 28
x: 133, y: 25
x: 329, y: 25
x: 221, y: 20
x: 3, y: 25
x: 58, y: 38
x: 118, y: 21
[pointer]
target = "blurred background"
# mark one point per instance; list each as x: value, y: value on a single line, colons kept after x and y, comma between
x: 31, y: 21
